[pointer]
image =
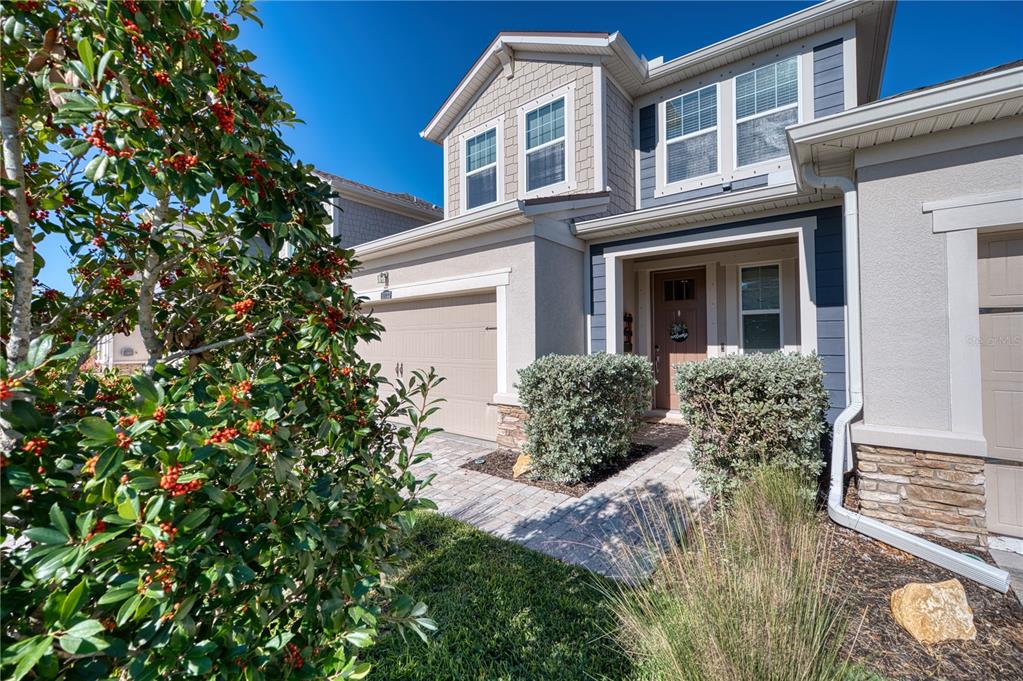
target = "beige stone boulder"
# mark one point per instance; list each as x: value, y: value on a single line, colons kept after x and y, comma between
x: 933, y: 613
x: 521, y: 465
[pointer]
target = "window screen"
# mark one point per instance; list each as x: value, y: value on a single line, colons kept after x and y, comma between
x: 545, y: 145
x: 760, y: 293
x: 690, y: 153
x: 766, y: 101
x: 481, y: 169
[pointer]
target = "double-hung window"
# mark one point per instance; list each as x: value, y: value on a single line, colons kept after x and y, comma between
x: 760, y: 294
x: 691, y: 134
x: 481, y: 169
x: 545, y: 145
x: 766, y: 102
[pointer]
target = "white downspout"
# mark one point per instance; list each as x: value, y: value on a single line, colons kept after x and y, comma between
x: 966, y: 566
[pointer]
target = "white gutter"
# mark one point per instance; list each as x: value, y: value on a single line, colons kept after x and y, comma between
x: 970, y: 568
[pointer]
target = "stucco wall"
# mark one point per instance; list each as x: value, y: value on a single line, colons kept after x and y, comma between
x: 559, y: 306
x: 531, y: 79
x: 359, y: 223
x: 412, y: 268
x: 904, y: 277
x: 621, y: 151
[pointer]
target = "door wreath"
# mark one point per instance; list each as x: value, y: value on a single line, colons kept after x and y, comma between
x: 679, y: 332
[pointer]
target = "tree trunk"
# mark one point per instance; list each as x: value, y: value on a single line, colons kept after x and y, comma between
x: 150, y: 277
x: 24, y: 248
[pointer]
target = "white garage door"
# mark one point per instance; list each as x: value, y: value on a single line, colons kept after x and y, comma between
x: 458, y: 337
x: 1000, y: 270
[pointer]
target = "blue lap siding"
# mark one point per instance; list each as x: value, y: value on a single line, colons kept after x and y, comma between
x: 829, y: 293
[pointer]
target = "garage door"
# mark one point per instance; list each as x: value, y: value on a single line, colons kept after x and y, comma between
x: 1000, y: 272
x: 458, y: 337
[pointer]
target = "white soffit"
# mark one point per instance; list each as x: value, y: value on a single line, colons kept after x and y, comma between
x: 830, y: 142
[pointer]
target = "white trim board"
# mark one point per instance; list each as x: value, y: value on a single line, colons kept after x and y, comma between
x: 976, y: 211
x: 440, y: 287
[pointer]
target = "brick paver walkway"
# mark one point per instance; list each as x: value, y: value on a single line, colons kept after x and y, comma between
x: 590, y: 530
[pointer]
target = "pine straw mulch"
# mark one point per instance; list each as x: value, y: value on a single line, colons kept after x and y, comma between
x: 499, y: 463
x: 866, y: 572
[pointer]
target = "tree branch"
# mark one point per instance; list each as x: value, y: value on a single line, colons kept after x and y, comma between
x: 24, y: 248
x: 213, y: 346
x: 151, y: 273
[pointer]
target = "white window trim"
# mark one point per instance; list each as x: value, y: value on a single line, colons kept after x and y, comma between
x: 663, y: 186
x: 568, y: 184
x: 797, y: 105
x: 779, y: 311
x: 495, y: 124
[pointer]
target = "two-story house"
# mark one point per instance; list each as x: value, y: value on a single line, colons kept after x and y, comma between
x: 599, y: 202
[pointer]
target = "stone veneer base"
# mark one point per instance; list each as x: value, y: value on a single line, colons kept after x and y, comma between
x: 511, y: 427
x: 938, y: 495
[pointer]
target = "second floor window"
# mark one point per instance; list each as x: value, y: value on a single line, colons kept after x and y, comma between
x: 481, y: 169
x: 545, y: 145
x: 766, y: 102
x: 691, y: 124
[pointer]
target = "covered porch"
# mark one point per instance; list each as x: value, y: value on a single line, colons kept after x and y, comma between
x: 713, y: 291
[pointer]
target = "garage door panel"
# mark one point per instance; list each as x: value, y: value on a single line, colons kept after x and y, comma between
x: 457, y: 336
x: 1000, y: 275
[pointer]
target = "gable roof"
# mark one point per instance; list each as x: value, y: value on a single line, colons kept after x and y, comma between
x: 640, y: 76
x: 403, y: 202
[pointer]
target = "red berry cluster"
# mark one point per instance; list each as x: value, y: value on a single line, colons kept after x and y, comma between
x: 159, y: 414
x: 336, y: 320
x: 36, y: 445
x: 254, y: 427
x: 126, y: 421
x: 133, y: 31
x: 161, y: 78
x: 31, y: 167
x: 152, y: 120
x: 123, y: 440
x: 132, y: 6
x: 146, y: 226
x: 113, y: 284
x: 6, y: 391
x: 169, y: 530
x: 28, y: 5
x: 99, y: 241
x: 181, y: 162
x: 222, y: 435
x: 52, y: 295
x: 225, y: 116
x: 243, y: 307
x: 217, y: 53
x: 164, y: 574
x: 39, y: 215
x: 222, y: 82
x: 90, y: 465
x: 169, y: 482
x: 294, y: 656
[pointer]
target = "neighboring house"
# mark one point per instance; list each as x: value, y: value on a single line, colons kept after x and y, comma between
x: 599, y: 202
x: 360, y: 213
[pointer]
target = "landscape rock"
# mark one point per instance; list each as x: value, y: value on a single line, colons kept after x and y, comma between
x: 933, y: 613
x: 521, y: 465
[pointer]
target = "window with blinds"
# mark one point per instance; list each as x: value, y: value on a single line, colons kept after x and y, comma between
x: 760, y: 302
x: 766, y: 102
x: 545, y: 145
x: 691, y: 134
x: 481, y: 169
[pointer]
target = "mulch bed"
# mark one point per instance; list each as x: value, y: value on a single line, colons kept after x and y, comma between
x: 500, y: 462
x: 867, y: 572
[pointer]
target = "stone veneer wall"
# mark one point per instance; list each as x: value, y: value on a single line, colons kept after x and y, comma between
x: 511, y: 427
x: 941, y: 495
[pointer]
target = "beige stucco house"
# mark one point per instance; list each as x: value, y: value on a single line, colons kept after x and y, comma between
x: 751, y: 196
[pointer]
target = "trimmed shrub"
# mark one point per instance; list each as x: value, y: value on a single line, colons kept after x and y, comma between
x: 583, y: 411
x: 747, y: 410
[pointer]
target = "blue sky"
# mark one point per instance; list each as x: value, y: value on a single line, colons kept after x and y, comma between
x: 367, y: 77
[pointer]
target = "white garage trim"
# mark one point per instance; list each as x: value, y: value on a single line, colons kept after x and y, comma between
x: 469, y: 283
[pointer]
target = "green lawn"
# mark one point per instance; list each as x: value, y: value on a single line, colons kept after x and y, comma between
x: 504, y: 612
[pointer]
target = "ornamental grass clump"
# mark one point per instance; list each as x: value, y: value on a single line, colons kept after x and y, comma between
x: 232, y: 509
x: 583, y: 411
x: 744, y: 411
x: 744, y: 596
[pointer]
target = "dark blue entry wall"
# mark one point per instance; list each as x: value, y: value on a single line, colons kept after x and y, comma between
x: 829, y: 293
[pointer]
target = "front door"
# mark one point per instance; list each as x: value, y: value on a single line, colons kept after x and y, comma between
x: 680, y: 326
x: 1000, y: 272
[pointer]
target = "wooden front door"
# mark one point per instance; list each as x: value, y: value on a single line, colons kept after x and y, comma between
x: 679, y: 324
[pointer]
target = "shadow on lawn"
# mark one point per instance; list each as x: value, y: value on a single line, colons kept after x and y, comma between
x: 504, y: 613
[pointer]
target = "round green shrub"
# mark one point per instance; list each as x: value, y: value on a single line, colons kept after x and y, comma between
x: 748, y: 410
x: 583, y: 411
